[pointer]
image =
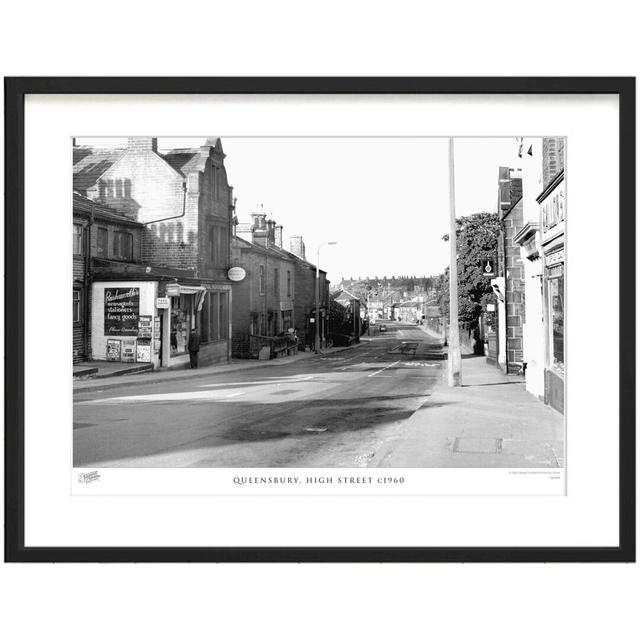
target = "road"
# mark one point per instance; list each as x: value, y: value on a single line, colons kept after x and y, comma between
x: 327, y: 411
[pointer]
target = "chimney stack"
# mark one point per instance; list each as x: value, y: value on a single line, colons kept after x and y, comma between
x: 297, y: 246
x: 142, y: 144
x: 259, y: 228
x: 278, y: 235
x: 271, y: 232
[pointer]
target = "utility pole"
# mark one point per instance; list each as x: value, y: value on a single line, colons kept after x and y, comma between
x: 454, y: 360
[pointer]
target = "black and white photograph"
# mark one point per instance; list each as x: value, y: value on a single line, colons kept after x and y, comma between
x: 287, y: 302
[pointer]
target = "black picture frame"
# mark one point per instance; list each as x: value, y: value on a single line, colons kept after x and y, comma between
x: 15, y: 91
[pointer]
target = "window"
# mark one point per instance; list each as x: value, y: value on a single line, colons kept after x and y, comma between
x: 262, y: 279
x: 224, y: 316
x: 76, y: 305
x: 122, y: 246
x: 77, y: 240
x: 289, y: 283
x: 213, y: 315
x: 556, y: 324
x: 276, y: 281
x: 102, y: 247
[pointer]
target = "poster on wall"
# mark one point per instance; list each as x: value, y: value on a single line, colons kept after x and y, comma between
x: 143, y: 351
x: 156, y: 333
x: 121, y: 311
x: 113, y: 350
x: 129, y: 350
x: 145, y: 327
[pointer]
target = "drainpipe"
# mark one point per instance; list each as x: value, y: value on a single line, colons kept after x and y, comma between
x: 88, y: 273
x: 184, y: 207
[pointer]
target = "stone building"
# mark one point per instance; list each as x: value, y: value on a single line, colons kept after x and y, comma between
x: 101, y: 236
x: 184, y: 203
x: 263, y: 302
x: 304, y: 295
x: 552, y: 228
x: 529, y: 239
x: 509, y: 285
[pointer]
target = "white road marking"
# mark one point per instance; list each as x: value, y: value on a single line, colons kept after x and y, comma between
x: 233, y: 395
x: 375, y: 373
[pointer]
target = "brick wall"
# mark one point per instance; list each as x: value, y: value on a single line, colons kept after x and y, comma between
x: 144, y: 187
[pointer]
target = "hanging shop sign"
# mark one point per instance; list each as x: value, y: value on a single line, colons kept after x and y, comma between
x: 236, y: 274
x: 113, y: 350
x: 121, y: 311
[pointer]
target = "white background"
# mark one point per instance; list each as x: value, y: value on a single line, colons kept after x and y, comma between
x: 54, y: 518
x: 320, y: 601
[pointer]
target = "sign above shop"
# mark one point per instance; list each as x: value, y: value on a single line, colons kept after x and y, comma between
x: 121, y: 311
x: 236, y: 274
x: 163, y: 303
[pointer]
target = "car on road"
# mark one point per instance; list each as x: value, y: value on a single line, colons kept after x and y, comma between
x: 383, y: 328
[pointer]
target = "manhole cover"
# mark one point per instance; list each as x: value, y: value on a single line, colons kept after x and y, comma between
x: 477, y: 445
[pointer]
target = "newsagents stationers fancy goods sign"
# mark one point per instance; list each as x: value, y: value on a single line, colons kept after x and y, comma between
x: 121, y: 311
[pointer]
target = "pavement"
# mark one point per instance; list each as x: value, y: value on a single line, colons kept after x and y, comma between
x: 112, y: 379
x: 382, y: 403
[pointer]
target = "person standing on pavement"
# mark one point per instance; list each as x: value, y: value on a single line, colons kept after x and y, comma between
x: 194, y: 347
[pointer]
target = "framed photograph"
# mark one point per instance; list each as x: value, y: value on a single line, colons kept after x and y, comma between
x: 232, y: 334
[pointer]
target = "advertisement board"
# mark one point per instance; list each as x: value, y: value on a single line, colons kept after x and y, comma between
x: 121, y: 311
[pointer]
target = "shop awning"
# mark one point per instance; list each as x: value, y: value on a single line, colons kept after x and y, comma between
x: 186, y: 289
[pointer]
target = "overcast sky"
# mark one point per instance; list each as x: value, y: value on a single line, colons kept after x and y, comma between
x: 385, y: 201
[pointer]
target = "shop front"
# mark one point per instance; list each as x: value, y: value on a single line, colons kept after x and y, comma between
x: 149, y: 321
x: 552, y: 213
x: 124, y: 322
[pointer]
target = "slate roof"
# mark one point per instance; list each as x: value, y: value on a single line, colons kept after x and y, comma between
x: 84, y: 205
x: 89, y: 163
x: 186, y: 161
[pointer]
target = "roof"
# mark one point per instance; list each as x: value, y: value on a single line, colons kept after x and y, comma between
x: 346, y: 293
x: 84, y: 205
x: 186, y: 161
x: 89, y: 163
x: 241, y: 243
x: 116, y: 270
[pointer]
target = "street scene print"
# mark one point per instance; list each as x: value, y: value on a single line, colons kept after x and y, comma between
x: 288, y: 302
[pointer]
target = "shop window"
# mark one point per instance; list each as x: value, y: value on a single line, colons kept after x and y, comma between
x: 556, y: 324
x: 262, y: 279
x: 182, y: 319
x: 204, y: 324
x: 214, y: 315
x: 224, y: 316
x: 122, y: 246
x: 77, y: 240
x: 77, y: 305
x: 102, y: 244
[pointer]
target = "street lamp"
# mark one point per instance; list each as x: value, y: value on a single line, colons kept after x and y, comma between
x: 317, y: 329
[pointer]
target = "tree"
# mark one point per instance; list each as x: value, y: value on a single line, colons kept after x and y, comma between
x: 476, y: 240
